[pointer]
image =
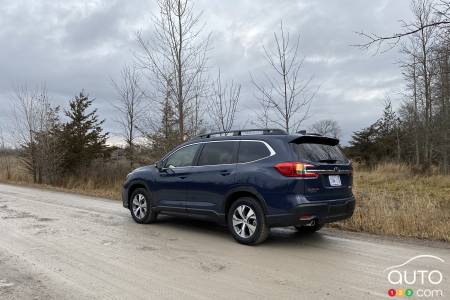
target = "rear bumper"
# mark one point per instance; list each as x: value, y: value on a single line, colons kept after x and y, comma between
x: 322, y: 212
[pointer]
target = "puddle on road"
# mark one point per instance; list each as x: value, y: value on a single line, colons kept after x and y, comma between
x: 5, y: 284
x: 46, y: 219
x: 108, y: 243
x: 148, y: 248
x: 15, y: 214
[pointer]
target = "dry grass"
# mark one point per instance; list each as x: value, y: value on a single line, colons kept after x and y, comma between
x: 101, y: 180
x: 391, y: 199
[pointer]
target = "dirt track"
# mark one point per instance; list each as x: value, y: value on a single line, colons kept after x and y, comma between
x: 63, y: 246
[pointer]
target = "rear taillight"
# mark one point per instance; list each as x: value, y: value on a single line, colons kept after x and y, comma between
x: 295, y: 169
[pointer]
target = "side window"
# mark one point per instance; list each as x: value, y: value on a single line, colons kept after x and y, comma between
x: 217, y: 153
x: 250, y: 151
x: 183, y: 157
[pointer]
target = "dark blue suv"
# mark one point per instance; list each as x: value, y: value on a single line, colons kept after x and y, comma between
x: 249, y: 179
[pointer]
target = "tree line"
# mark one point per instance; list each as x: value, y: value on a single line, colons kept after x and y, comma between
x: 419, y: 132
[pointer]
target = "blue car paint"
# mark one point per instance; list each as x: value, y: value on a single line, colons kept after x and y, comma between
x: 207, y: 190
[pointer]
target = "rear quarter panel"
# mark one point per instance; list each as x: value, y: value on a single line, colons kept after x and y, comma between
x: 278, y: 192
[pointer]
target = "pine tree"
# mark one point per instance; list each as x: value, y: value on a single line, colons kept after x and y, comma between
x: 83, y: 135
x: 166, y: 138
x: 363, y: 146
x: 380, y: 141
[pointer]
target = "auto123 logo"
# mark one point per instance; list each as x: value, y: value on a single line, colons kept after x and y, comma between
x: 407, y: 281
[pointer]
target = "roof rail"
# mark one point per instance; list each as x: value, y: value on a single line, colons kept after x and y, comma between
x: 265, y: 131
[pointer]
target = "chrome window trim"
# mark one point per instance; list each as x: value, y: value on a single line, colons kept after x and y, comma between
x: 272, y: 152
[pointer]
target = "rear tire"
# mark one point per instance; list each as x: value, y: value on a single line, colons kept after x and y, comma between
x: 308, y: 229
x: 141, y: 207
x: 247, y: 222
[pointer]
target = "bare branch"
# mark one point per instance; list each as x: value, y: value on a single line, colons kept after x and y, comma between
x: 437, y: 18
x: 284, y: 98
x: 224, y: 102
x: 130, y: 107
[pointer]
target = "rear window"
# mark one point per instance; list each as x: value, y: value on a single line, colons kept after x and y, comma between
x: 217, y: 153
x: 319, y: 153
x: 250, y: 151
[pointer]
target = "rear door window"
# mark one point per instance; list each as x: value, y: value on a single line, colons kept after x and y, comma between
x: 251, y: 151
x: 319, y: 153
x: 217, y: 153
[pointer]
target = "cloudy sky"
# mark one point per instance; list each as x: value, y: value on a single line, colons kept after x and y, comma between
x: 73, y: 45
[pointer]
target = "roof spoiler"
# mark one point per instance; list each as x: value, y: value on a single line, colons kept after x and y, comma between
x: 314, y: 139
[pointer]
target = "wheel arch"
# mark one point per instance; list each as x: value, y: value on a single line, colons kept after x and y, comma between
x: 136, y: 184
x: 237, y: 193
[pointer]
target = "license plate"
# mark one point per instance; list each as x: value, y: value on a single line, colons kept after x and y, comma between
x: 335, y: 180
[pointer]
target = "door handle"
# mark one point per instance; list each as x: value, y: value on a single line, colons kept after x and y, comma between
x: 225, y: 172
x: 182, y: 177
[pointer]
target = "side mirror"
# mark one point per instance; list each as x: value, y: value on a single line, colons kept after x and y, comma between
x: 159, y: 165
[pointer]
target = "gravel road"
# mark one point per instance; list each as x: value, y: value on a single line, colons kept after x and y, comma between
x: 57, y: 245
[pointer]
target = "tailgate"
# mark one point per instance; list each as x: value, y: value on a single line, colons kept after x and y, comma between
x: 333, y: 182
x: 333, y: 169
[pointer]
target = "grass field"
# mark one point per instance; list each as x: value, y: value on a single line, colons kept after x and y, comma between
x: 391, y: 199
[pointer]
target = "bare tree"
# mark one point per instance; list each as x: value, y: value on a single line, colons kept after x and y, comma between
x: 412, y: 106
x: 283, y: 92
x: 130, y: 107
x: 326, y: 127
x: 425, y: 39
x: 31, y: 109
x: 176, y: 57
x: 224, y: 102
x: 196, y: 108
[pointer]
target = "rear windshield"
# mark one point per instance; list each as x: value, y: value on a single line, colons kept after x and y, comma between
x: 319, y: 153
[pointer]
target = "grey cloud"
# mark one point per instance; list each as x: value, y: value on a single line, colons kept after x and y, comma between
x: 71, y: 45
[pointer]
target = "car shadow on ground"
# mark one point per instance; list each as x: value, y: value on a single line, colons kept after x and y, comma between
x: 278, y: 236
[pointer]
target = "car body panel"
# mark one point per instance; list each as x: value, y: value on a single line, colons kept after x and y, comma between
x: 208, y: 185
x: 206, y: 190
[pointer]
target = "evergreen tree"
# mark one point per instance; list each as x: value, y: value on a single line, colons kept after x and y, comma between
x: 166, y: 138
x: 83, y: 135
x: 363, y: 146
x: 378, y: 142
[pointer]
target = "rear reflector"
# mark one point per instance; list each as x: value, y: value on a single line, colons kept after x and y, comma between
x: 306, y: 218
x: 295, y: 169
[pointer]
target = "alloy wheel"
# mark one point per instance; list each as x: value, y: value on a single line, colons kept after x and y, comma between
x: 139, y: 206
x: 244, y: 221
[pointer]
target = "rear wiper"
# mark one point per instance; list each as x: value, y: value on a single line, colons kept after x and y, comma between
x: 328, y: 160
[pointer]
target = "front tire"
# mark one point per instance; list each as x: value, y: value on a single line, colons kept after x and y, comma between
x: 140, y: 207
x: 247, y: 222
